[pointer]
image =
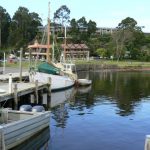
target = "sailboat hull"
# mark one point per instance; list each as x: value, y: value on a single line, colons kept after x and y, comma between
x: 57, y: 82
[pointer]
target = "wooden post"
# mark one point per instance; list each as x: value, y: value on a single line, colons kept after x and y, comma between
x: 30, y: 57
x: 10, y: 83
x: 36, y: 91
x: 147, y: 143
x: 44, y: 97
x: 32, y: 98
x: 4, y: 63
x: 49, y: 91
x: 20, y: 64
x: 40, y: 97
x: 49, y: 85
x: 16, y: 95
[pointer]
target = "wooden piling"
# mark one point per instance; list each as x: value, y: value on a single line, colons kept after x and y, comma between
x: 44, y: 98
x: 16, y: 95
x: 20, y: 64
x: 32, y: 98
x: 49, y: 85
x: 40, y: 96
x: 10, y: 83
x: 36, y: 91
x: 49, y: 92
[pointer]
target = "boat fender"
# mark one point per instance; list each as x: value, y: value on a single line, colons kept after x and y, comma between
x: 38, y: 109
x: 25, y: 108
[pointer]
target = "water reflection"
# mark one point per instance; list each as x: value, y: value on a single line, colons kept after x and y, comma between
x: 62, y: 96
x: 114, y: 109
x: 39, y: 140
x: 113, y: 113
x: 124, y: 89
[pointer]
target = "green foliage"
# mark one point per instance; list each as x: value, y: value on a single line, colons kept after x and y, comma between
x: 127, y: 23
x: 62, y: 15
x: 91, y: 28
x: 4, y: 27
x: 127, y: 39
x: 23, y: 27
x: 102, y: 52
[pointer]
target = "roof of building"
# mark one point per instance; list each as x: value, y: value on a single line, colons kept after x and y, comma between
x: 37, y: 45
x: 75, y: 46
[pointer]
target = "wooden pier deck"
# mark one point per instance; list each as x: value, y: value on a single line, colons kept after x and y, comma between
x: 22, y: 89
x: 15, y: 76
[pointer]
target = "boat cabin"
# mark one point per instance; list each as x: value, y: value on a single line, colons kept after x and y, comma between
x: 69, y: 67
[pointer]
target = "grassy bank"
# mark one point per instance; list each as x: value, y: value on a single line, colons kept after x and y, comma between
x: 102, y: 63
x: 116, y: 64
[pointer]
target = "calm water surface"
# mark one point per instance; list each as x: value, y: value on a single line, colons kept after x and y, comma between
x: 114, y: 113
x: 111, y: 114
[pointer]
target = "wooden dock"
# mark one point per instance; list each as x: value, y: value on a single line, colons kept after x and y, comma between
x: 15, y: 76
x: 22, y: 89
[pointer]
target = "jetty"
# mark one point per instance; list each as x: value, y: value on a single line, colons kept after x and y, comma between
x: 15, y: 76
x: 20, y: 89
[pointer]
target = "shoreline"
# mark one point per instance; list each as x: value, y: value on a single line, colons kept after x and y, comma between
x: 93, y: 67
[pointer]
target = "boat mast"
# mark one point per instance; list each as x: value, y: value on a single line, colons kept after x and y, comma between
x: 48, y: 34
x: 53, y: 44
x: 65, y: 45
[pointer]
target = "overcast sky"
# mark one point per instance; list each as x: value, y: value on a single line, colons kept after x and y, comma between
x: 106, y: 13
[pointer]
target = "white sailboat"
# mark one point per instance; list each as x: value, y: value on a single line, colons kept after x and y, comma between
x: 59, y: 81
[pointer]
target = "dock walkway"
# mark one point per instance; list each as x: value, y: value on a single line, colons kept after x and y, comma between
x: 15, y: 76
x: 22, y: 89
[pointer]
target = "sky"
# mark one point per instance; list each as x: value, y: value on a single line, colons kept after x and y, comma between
x: 106, y: 13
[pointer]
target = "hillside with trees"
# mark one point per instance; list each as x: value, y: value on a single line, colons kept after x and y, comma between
x: 126, y: 42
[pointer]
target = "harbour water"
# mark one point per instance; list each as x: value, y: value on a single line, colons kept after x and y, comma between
x: 111, y: 114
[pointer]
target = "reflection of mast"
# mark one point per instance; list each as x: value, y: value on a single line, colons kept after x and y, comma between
x: 48, y: 35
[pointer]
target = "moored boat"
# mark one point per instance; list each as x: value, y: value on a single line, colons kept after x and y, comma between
x: 61, y: 77
x: 18, y: 126
x: 84, y: 82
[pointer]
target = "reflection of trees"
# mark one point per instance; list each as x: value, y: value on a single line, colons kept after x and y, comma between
x: 125, y: 88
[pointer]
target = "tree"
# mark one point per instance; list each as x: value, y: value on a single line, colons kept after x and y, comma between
x: 23, y: 27
x: 102, y: 52
x: 91, y: 27
x: 4, y: 27
x: 35, y: 21
x: 82, y: 26
x: 126, y: 36
x: 128, y: 23
x: 120, y: 38
x: 74, y: 31
x: 62, y: 15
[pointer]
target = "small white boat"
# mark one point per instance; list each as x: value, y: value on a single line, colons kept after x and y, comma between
x: 84, y: 82
x: 18, y: 126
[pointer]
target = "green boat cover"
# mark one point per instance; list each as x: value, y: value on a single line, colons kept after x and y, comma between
x: 48, y: 68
